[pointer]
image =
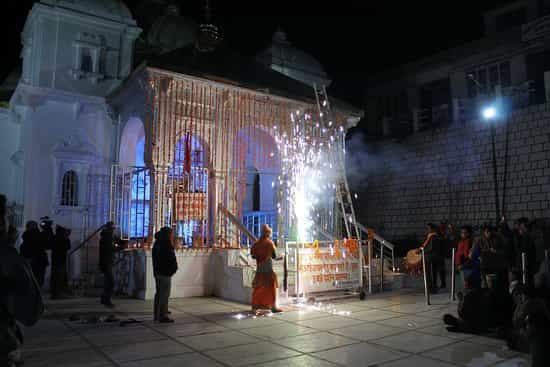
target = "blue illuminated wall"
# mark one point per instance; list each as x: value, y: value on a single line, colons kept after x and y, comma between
x: 140, y: 195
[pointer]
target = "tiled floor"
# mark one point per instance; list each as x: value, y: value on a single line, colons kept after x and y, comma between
x: 389, y: 330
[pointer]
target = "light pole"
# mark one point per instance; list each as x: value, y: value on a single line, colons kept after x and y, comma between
x: 490, y: 114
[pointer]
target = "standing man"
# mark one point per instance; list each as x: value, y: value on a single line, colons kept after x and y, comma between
x: 32, y: 249
x: 106, y: 258
x: 165, y: 266
x: 433, y: 256
x: 525, y: 244
x: 60, y: 248
x: 493, y: 259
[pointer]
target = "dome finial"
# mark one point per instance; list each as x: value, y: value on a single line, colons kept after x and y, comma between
x: 207, y: 13
x: 209, y: 36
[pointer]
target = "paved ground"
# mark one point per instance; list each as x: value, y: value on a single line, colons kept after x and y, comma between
x: 391, y: 330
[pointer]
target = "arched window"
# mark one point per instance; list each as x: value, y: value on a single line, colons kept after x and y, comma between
x: 69, y: 189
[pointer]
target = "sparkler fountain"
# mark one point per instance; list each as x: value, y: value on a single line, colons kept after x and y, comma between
x: 311, y: 160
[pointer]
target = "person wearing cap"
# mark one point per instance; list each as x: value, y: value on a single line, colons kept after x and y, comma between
x: 106, y: 258
x: 265, y: 283
x: 165, y: 265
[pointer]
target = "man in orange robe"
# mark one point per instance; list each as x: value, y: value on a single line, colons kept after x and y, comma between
x: 264, y: 292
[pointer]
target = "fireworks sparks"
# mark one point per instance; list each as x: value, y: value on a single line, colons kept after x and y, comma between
x: 309, y: 157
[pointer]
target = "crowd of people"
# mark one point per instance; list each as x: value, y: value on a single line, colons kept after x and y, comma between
x: 37, y: 240
x: 504, y: 281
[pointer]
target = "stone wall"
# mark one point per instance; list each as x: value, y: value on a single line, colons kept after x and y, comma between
x: 447, y: 174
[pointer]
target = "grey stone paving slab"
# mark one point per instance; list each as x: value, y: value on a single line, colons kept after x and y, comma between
x: 492, y: 341
x: 439, y: 312
x: 414, y: 361
x: 300, y: 315
x: 367, y: 331
x: 300, y: 361
x: 57, y: 344
x: 342, y: 309
x: 409, y: 322
x: 73, y: 358
x: 413, y: 342
x: 147, y: 350
x: 283, y: 330
x: 123, y: 336
x: 50, y: 328
x: 315, y: 342
x: 359, y: 355
x: 329, y: 323
x: 413, y: 308
x: 441, y: 329
x: 471, y: 354
x: 217, y: 340
x: 183, y: 360
x: 197, y: 328
x: 374, y: 315
x: 248, y: 321
x: 250, y: 354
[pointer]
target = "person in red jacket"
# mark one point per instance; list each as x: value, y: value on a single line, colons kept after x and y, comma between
x: 462, y: 258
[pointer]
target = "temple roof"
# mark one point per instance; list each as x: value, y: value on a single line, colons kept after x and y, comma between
x: 225, y: 66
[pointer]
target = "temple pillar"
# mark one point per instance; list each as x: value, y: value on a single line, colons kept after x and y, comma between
x: 159, y: 208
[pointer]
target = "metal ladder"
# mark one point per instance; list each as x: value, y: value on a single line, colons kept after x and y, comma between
x: 343, y: 195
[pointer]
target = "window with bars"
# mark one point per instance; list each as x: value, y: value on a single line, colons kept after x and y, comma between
x: 488, y: 78
x: 69, y: 189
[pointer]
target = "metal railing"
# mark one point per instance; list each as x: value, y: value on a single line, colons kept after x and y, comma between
x: 388, y: 248
x: 81, y: 246
x: 254, y: 221
x: 237, y: 223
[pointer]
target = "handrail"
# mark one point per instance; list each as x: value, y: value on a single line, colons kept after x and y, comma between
x: 83, y: 243
x: 383, y: 243
x: 237, y: 222
x: 377, y: 237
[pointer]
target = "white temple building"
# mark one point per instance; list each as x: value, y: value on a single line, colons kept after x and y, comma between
x: 99, y: 103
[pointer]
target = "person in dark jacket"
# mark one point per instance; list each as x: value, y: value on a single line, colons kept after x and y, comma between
x: 61, y: 246
x: 165, y: 266
x: 434, y: 257
x: 524, y: 244
x: 34, y: 251
x: 107, y: 245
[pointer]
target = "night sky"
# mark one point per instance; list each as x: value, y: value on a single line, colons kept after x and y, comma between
x: 351, y: 38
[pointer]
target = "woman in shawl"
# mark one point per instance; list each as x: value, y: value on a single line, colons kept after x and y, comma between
x: 264, y: 285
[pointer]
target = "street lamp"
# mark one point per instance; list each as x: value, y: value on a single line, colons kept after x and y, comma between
x: 490, y: 114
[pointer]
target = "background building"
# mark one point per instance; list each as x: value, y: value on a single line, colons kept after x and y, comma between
x: 429, y: 155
